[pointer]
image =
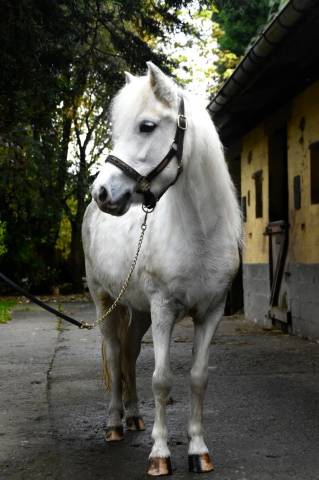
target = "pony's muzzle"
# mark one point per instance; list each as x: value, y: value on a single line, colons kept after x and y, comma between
x: 107, y: 204
x: 102, y: 194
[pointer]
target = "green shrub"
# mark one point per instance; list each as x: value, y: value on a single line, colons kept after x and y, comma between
x: 6, y: 307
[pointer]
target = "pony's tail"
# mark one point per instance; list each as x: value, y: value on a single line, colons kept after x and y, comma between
x: 123, y: 324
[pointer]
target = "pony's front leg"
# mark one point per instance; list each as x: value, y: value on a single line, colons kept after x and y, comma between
x: 198, y: 456
x: 162, y: 326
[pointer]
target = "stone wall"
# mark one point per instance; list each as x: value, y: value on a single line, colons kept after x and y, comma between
x: 256, y: 292
x: 303, y: 290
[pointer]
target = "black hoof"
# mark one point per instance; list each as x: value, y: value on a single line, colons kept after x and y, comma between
x: 200, y: 463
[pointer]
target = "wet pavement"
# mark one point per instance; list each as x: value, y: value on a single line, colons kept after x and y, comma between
x: 261, y: 409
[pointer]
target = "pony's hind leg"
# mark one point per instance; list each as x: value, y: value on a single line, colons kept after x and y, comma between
x: 131, y: 345
x: 198, y: 456
x: 111, y: 357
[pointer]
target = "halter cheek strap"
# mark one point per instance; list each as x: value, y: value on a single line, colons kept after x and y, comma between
x: 143, y: 183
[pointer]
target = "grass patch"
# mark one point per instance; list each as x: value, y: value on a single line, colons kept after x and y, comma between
x: 6, y: 307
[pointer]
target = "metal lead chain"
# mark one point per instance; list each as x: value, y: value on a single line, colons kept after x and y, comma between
x: 129, y: 275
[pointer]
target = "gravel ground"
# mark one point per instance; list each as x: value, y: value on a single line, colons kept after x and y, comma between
x: 261, y: 414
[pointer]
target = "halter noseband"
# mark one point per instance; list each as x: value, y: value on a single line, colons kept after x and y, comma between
x: 143, y: 183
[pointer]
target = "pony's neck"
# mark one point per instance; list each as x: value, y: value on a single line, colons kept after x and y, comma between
x: 196, y: 202
x: 205, y: 190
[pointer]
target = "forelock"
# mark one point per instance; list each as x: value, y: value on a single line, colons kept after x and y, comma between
x: 130, y: 101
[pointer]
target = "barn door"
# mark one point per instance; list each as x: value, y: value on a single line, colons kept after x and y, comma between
x: 278, y: 228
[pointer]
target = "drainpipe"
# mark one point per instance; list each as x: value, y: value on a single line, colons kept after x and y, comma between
x: 273, y: 34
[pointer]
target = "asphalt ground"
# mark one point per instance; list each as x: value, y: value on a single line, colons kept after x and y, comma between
x: 261, y: 409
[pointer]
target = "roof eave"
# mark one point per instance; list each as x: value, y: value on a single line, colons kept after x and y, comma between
x: 274, y: 33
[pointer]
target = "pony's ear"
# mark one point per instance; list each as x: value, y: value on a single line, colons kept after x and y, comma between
x: 162, y: 86
x: 128, y: 77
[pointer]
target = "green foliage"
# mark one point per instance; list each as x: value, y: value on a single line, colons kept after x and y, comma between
x: 3, y: 248
x: 6, y: 307
x: 61, y: 63
x: 238, y: 25
x: 240, y: 21
x: 63, y: 243
x: 194, y: 54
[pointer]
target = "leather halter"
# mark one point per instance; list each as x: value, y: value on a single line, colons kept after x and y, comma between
x: 143, y: 183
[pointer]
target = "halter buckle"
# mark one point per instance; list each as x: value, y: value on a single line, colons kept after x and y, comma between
x: 143, y: 185
x: 182, y: 122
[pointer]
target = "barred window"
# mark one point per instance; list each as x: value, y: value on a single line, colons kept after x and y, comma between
x: 314, y: 172
x: 258, y: 177
x: 244, y: 208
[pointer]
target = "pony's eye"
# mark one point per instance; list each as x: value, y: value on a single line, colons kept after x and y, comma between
x: 147, y: 126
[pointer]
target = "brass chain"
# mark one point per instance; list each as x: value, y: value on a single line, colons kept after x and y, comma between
x: 128, y: 277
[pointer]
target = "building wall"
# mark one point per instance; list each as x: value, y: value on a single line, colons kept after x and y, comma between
x: 254, y: 157
x: 303, y: 255
x: 302, y: 267
x: 303, y: 130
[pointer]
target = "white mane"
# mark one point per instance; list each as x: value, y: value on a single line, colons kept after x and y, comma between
x: 210, y: 167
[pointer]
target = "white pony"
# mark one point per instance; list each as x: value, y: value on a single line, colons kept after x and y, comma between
x: 187, y: 262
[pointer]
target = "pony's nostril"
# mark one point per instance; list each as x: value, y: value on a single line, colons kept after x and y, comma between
x: 102, y: 194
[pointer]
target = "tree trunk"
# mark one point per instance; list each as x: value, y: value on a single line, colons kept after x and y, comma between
x: 76, y: 257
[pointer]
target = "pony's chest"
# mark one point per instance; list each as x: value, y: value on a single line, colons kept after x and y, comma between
x: 180, y: 264
x: 190, y: 265
x: 113, y: 248
x: 176, y: 262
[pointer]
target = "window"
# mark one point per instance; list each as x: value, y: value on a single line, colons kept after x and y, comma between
x: 244, y: 208
x: 314, y: 172
x: 258, y: 177
x: 278, y: 175
x: 297, y: 192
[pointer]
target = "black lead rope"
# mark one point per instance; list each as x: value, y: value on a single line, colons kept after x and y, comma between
x: 44, y: 305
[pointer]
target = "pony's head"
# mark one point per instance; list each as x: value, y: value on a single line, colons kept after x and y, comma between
x: 144, y: 122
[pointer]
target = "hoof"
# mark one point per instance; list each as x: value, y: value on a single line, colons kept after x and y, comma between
x: 200, y: 463
x: 158, y: 466
x: 114, y: 434
x: 135, y: 424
